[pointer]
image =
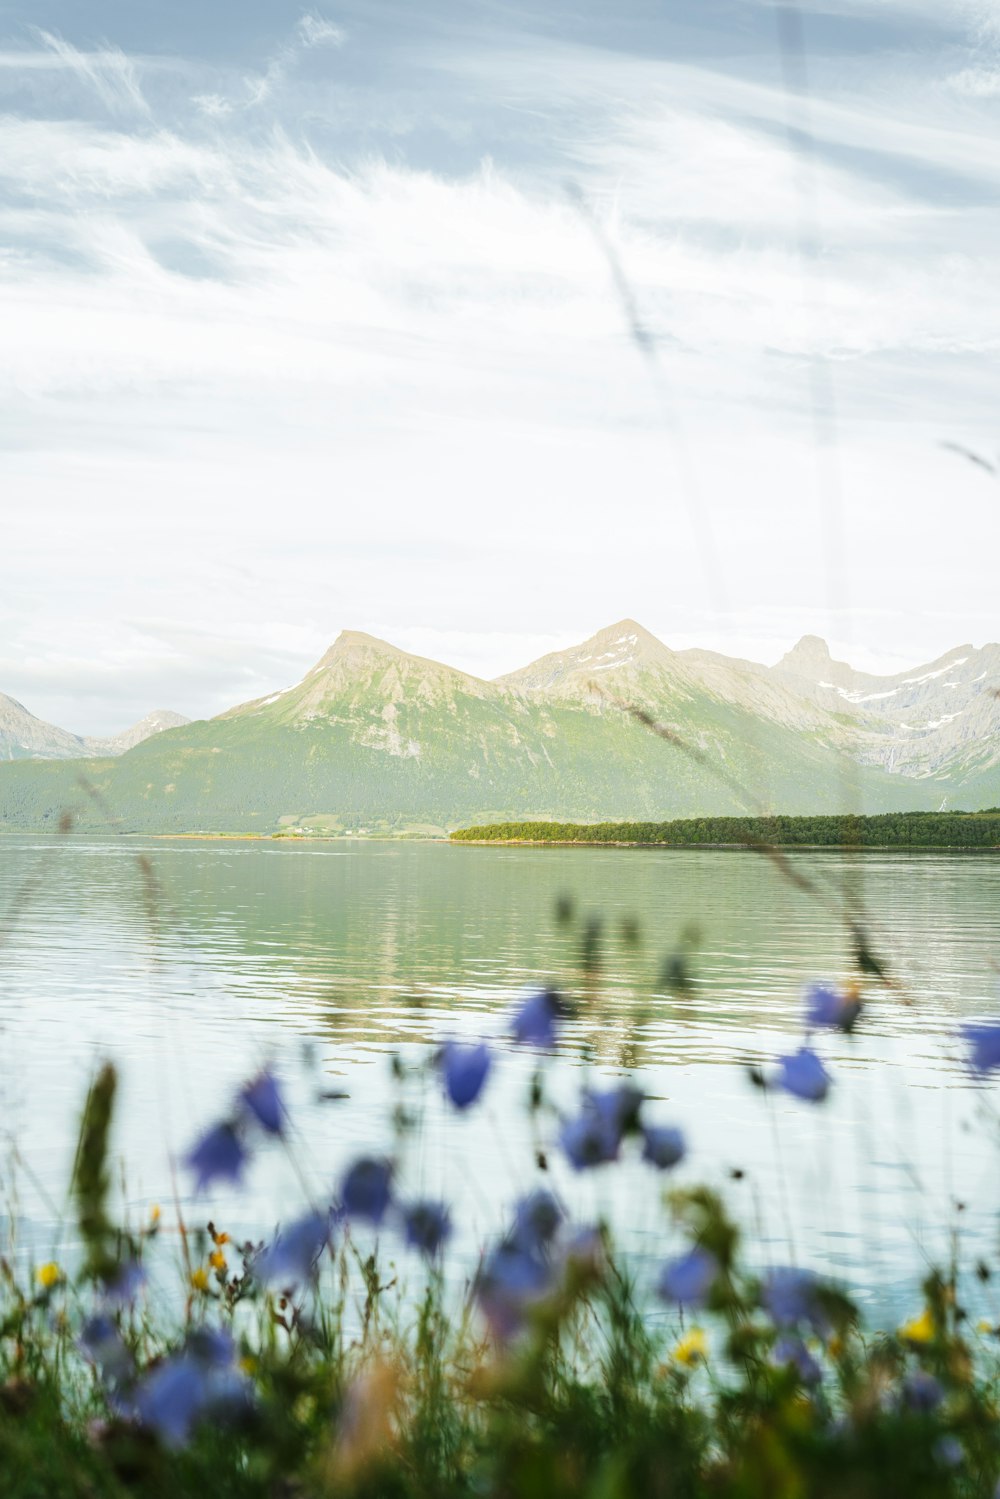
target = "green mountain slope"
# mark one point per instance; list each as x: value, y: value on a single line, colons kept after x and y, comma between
x: 379, y: 740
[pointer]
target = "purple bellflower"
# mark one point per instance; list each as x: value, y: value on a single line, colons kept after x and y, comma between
x: 510, y: 1283
x: 427, y: 1225
x: 366, y: 1191
x: 261, y: 1099
x: 594, y: 1137
x: 291, y: 1260
x: 689, y: 1278
x: 123, y: 1284
x: 790, y: 1352
x: 171, y: 1399
x: 662, y: 1145
x: 101, y: 1343
x: 199, y: 1381
x: 983, y: 1040
x: 218, y: 1156
x: 803, y: 1075
x: 792, y: 1299
x: 920, y: 1391
x: 831, y: 1009
x: 534, y: 1021
x: 536, y: 1221
x: 464, y: 1068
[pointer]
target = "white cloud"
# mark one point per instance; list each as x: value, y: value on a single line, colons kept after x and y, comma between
x: 246, y: 376
x: 112, y: 75
x: 316, y: 31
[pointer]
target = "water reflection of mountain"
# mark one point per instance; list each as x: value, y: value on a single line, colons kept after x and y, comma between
x: 386, y: 943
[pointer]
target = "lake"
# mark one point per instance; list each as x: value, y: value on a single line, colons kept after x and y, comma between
x: 329, y: 959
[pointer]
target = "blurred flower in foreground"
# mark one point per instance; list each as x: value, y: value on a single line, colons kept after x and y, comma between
x: 790, y: 1352
x: 262, y: 1099
x: 102, y: 1345
x: 594, y: 1137
x: 793, y: 1298
x: 536, y: 1221
x: 295, y: 1253
x: 366, y: 1191
x: 124, y: 1283
x: 218, y: 1156
x: 803, y: 1075
x: 921, y: 1391
x: 662, y: 1145
x: 983, y: 1040
x: 534, y: 1021
x: 832, y: 1009
x: 510, y: 1282
x: 919, y: 1329
x: 427, y: 1225
x: 48, y: 1276
x: 692, y: 1348
x: 199, y: 1381
x: 464, y: 1067
x: 689, y: 1278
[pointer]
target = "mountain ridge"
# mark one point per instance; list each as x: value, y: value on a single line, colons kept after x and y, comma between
x: 375, y: 736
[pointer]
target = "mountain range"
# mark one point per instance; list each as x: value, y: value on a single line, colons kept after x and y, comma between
x: 25, y: 737
x: 374, y: 739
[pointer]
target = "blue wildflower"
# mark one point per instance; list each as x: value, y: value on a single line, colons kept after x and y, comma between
x: 790, y: 1352
x: 293, y: 1257
x: 366, y: 1191
x: 261, y: 1098
x: 534, y: 1022
x: 828, y: 1008
x: 123, y: 1284
x: 617, y: 1108
x: 949, y: 1452
x: 588, y: 1141
x: 803, y: 1075
x: 921, y: 1391
x: 663, y: 1146
x: 536, y: 1221
x: 464, y: 1067
x: 689, y: 1278
x: 793, y: 1297
x: 509, y: 1284
x: 983, y: 1039
x: 172, y: 1397
x: 214, y: 1347
x: 218, y: 1156
x: 102, y: 1344
x: 427, y: 1225
x: 199, y: 1381
x: 595, y: 1136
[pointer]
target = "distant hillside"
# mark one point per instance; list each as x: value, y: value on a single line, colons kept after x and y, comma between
x: 374, y: 739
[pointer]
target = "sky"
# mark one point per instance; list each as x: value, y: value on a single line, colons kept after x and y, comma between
x: 480, y: 325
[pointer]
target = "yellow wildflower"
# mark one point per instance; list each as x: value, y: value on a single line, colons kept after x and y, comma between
x: 217, y: 1260
x: 199, y: 1279
x: 219, y: 1238
x: 154, y: 1215
x: 691, y: 1349
x: 919, y: 1329
x: 986, y: 1328
x: 48, y: 1275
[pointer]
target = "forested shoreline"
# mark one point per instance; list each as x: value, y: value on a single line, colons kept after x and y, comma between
x: 886, y: 830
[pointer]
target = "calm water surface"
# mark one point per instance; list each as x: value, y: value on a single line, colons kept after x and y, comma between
x: 331, y: 958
